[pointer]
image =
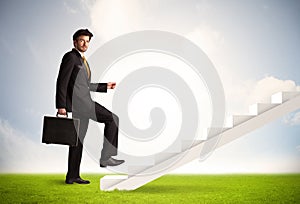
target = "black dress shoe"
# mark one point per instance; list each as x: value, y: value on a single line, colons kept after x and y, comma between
x: 77, y: 180
x: 111, y: 162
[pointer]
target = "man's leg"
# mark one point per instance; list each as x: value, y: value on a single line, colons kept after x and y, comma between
x: 75, y: 153
x: 111, y: 129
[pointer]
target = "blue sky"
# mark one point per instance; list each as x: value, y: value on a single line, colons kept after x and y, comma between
x: 254, y: 46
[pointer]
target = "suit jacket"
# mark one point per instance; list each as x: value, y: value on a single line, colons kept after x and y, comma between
x: 73, y: 85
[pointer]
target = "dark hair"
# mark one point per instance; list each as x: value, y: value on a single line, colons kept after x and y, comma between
x: 80, y: 32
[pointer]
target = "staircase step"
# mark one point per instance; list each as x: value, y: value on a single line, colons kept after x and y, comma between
x: 132, y: 161
x: 133, y: 182
x: 238, y: 119
x: 160, y: 157
x: 187, y: 144
x: 282, y: 97
x: 212, y: 132
x: 213, y: 137
x: 259, y: 108
x: 169, y: 163
x: 108, y: 181
x: 140, y: 161
x: 137, y: 170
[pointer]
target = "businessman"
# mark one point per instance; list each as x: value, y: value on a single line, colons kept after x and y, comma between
x: 73, y: 95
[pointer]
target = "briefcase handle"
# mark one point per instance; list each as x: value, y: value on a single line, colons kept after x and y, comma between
x: 59, y: 116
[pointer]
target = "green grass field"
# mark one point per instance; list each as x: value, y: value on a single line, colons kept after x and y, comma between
x: 42, y: 188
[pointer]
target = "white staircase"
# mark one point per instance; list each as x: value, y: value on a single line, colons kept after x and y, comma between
x: 259, y: 115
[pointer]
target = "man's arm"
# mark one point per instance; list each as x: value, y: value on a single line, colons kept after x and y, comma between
x: 102, y: 87
x: 63, y: 78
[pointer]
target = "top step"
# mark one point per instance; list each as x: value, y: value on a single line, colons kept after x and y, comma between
x: 282, y: 97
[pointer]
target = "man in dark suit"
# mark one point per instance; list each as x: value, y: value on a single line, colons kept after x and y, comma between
x: 73, y: 95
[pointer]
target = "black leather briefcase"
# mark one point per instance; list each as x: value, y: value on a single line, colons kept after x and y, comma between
x: 62, y: 131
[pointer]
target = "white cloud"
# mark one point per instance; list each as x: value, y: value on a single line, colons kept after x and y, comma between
x: 264, y: 88
x: 298, y: 148
x: 207, y: 38
x: 240, y: 95
x: 112, y: 18
x: 292, y: 119
x: 69, y: 9
x: 20, y: 154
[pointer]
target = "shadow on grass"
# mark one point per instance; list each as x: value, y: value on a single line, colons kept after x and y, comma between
x: 56, y: 182
x: 153, y: 189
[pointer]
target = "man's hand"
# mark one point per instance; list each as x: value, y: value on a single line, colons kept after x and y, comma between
x: 62, y: 111
x: 111, y: 85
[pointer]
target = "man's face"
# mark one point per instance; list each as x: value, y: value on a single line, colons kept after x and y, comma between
x: 82, y: 43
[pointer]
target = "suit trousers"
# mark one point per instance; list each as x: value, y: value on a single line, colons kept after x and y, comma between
x: 110, y: 142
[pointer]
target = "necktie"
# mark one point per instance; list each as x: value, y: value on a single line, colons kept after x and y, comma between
x: 86, y: 67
